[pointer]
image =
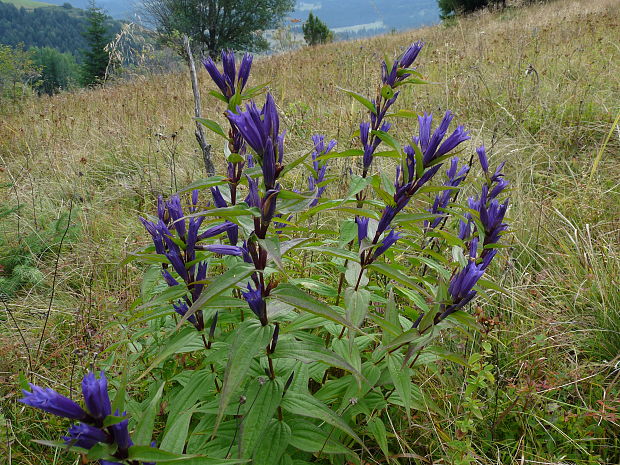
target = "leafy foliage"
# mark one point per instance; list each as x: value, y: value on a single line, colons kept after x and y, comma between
x: 58, y: 70
x: 18, y: 72
x: 217, y: 24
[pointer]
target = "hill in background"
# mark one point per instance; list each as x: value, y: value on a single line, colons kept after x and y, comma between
x: 348, y: 18
x: 59, y: 27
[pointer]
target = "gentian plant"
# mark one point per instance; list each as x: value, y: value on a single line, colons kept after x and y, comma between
x: 266, y: 338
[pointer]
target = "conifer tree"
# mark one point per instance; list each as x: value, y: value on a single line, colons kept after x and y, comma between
x: 316, y: 31
x: 96, y: 58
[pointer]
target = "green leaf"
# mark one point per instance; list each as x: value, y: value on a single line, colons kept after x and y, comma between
x: 113, y: 420
x: 175, y: 437
x: 413, y: 297
x: 274, y: 442
x: 294, y: 296
x: 392, y: 318
x: 144, y: 429
x: 357, y: 185
x: 363, y: 100
x: 377, y: 429
x: 213, y: 126
x: 356, y: 304
x: 224, y: 282
x: 218, y: 96
x: 395, y: 274
x: 151, y: 454
x: 401, y: 377
x: 250, y: 338
x: 264, y: 398
x: 310, y: 438
x: 177, y: 342
x: 101, y: 451
x: 388, y: 139
x: 307, y: 406
x: 308, y: 352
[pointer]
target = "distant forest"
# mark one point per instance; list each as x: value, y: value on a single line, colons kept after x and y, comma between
x: 57, y: 27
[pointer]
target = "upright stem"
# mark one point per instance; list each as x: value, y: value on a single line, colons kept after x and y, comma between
x: 200, y: 136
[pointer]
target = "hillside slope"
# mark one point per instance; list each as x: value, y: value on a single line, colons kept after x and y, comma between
x: 538, y: 86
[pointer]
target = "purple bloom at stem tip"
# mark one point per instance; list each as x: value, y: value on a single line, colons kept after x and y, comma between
x: 85, y: 436
x: 386, y: 243
x: 50, y: 401
x: 228, y: 82
x: 482, y: 156
x: 362, y: 228
x: 96, y: 395
x: 254, y: 298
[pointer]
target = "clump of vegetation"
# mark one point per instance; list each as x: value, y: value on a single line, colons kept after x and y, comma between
x: 21, y: 254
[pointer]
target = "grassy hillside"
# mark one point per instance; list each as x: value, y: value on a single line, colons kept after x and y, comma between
x: 539, y: 86
x: 27, y: 4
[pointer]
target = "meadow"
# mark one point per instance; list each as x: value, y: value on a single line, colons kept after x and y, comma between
x: 539, y: 86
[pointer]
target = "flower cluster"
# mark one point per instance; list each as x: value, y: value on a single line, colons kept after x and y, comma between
x: 90, y: 429
x: 432, y: 148
x: 231, y: 84
x: 399, y: 71
x: 317, y: 177
x: 229, y: 81
x: 441, y: 200
x: 491, y: 214
x: 392, y: 77
x: 172, y: 228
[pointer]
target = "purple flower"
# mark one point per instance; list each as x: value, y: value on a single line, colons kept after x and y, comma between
x: 96, y: 395
x: 176, y: 213
x: 391, y: 77
x: 362, y: 228
x: 217, y: 230
x: 50, y: 401
x: 268, y: 204
x: 430, y: 144
x: 121, y: 433
x: 442, y: 200
x: 181, y: 308
x: 254, y: 298
x: 319, y: 169
x: 386, y: 243
x: 85, y: 436
x: 227, y: 81
x: 169, y: 279
x: 482, y: 156
x: 252, y: 199
x: 218, y: 198
x: 201, y: 275
x: 461, y: 286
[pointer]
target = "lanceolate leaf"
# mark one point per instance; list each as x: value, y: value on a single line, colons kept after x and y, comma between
x: 273, y: 443
x: 294, y: 296
x: 213, y: 126
x: 308, y: 352
x: 307, y: 406
x: 144, y: 430
x: 363, y: 100
x: 250, y: 338
x: 263, y: 398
